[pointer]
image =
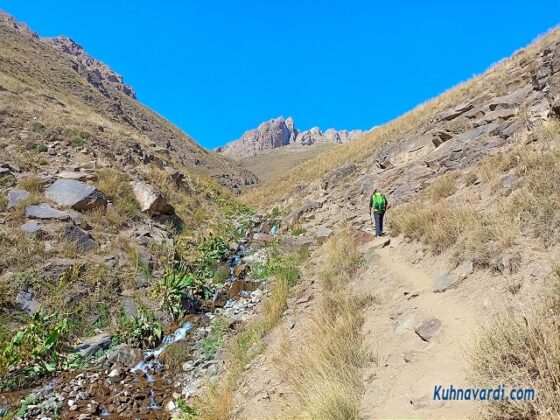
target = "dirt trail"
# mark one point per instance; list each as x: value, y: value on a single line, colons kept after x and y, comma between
x: 402, y: 281
x: 401, y: 381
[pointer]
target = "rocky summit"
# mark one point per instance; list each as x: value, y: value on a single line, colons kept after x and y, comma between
x: 279, y: 132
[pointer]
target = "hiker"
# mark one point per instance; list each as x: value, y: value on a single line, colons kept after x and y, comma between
x: 377, y: 207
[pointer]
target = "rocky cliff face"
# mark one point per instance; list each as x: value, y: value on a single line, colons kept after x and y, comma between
x: 279, y: 132
x: 98, y: 70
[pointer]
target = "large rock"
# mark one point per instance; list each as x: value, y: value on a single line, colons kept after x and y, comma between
x: 295, y: 215
x: 447, y: 281
x: 93, y: 344
x: 75, y: 194
x: 16, y: 196
x: 33, y: 228
x: 44, y: 211
x: 27, y: 303
x: 295, y: 243
x: 83, y: 241
x: 124, y: 355
x: 337, y: 175
x: 428, y: 329
x: 149, y: 199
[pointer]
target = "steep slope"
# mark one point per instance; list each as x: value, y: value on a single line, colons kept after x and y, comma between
x: 72, y: 75
x: 280, y: 132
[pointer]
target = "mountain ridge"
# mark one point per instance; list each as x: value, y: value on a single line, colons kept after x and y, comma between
x: 279, y: 132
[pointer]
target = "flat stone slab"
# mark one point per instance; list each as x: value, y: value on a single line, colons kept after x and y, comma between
x: 75, y: 194
x: 405, y: 324
x: 16, y: 196
x: 451, y: 280
x: 91, y: 345
x: 428, y: 329
x: 33, y: 228
x: 44, y: 211
x: 380, y: 242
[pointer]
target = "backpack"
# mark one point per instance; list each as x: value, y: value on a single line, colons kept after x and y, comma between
x: 379, y: 202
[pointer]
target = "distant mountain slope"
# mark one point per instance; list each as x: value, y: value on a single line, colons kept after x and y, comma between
x: 279, y: 132
x: 65, y: 74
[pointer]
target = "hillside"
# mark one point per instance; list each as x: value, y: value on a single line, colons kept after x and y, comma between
x: 278, y: 133
x: 104, y: 207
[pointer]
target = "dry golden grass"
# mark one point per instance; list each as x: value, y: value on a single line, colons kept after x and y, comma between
x: 443, y: 187
x: 324, y: 372
x: 360, y: 149
x: 32, y: 184
x: 521, y: 351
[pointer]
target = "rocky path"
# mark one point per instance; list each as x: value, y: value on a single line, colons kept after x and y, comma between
x: 419, y: 338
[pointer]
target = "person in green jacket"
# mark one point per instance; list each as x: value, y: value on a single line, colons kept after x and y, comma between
x: 377, y: 207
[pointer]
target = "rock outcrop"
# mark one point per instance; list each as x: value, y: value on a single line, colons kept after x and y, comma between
x: 279, y: 132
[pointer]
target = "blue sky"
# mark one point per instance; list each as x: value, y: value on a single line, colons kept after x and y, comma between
x: 218, y: 68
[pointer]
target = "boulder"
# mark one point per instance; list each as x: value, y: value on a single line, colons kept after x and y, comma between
x: 150, y: 200
x: 405, y: 324
x: 295, y: 215
x: 295, y: 243
x: 75, y: 194
x: 428, y: 329
x: 454, y: 112
x: 33, y: 228
x: 93, y: 344
x: 15, y: 196
x: 44, y: 211
x: 124, y: 355
x: 323, y: 233
x: 447, y: 281
x: 337, y: 175
x: 83, y: 241
x: 27, y: 303
x: 509, y: 181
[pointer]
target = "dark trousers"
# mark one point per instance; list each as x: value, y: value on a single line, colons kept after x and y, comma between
x: 378, y: 216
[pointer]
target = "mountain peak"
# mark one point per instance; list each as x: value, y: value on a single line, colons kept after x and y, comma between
x: 279, y: 132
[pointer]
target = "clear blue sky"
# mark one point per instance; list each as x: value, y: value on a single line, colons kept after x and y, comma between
x: 218, y: 68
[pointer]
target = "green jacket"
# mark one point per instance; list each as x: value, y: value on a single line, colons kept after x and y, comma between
x: 378, y: 202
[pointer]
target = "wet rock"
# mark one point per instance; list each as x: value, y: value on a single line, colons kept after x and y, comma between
x: 428, y: 329
x: 45, y: 212
x: 83, y: 241
x: 75, y: 194
x: 337, y: 175
x: 123, y: 355
x: 16, y: 196
x: 149, y: 199
x: 91, y: 345
x: 27, y: 303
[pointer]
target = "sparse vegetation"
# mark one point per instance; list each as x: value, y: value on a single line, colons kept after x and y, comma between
x: 142, y: 330
x: 521, y: 350
x: 325, y: 375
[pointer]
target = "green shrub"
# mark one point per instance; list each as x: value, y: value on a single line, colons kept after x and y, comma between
x: 36, y: 349
x: 37, y: 126
x: 142, y: 330
x: 41, y: 148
